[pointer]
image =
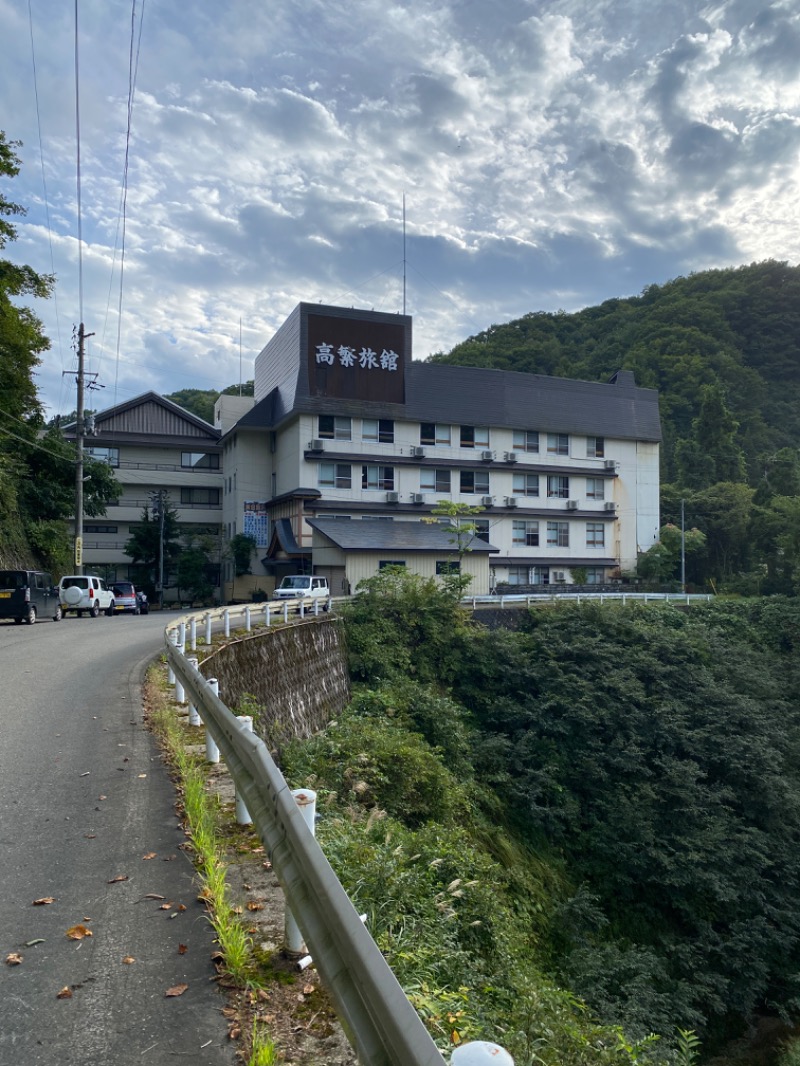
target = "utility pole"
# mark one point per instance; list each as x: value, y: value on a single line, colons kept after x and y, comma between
x: 683, y: 548
x: 80, y: 430
x: 159, y: 509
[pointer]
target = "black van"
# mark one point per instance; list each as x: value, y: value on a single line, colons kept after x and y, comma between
x: 26, y: 595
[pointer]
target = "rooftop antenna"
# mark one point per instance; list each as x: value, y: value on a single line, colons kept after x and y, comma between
x: 404, y: 253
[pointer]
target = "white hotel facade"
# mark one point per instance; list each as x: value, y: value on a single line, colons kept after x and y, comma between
x: 348, y: 444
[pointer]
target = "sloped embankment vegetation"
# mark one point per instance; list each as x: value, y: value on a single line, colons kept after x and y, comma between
x: 571, y: 836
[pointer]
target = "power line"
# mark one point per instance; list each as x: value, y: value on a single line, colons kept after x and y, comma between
x: 78, y: 165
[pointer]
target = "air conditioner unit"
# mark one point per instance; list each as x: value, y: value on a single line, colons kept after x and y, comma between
x: 511, y: 501
x: 419, y: 452
x: 511, y: 457
x: 487, y: 501
x: 417, y: 497
x: 392, y: 497
x: 610, y: 506
x: 559, y: 577
x: 572, y: 505
x: 487, y: 455
x: 316, y: 446
x: 609, y: 464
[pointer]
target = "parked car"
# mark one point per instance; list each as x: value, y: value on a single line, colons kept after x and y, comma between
x: 126, y: 598
x: 144, y: 604
x: 304, y: 586
x: 85, y: 592
x: 26, y: 595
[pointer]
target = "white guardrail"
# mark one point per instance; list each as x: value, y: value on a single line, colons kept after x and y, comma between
x: 380, y: 1022
x: 587, y: 597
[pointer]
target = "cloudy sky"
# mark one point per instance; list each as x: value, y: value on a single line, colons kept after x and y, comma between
x: 552, y: 154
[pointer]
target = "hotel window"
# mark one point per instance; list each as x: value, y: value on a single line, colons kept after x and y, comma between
x: 200, y: 497
x: 526, y: 484
x: 431, y: 433
x: 434, y: 480
x: 595, y: 488
x: 332, y: 427
x: 596, y: 447
x: 100, y: 529
x: 383, y: 564
x: 482, y: 528
x: 378, y: 430
x: 200, y: 460
x: 527, y: 533
x: 103, y: 455
x: 526, y: 440
x: 558, y: 534
x: 474, y: 436
x: 335, y: 476
x: 595, y: 535
x: 558, y: 444
x: 475, y: 482
x: 377, y: 477
x: 595, y: 575
x: 557, y: 487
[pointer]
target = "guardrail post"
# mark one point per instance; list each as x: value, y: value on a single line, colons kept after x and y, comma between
x: 173, y: 639
x: 193, y: 634
x: 247, y: 619
x: 307, y: 802
x: 286, y: 610
x: 208, y: 628
x: 242, y: 813
x: 194, y: 717
x: 180, y: 695
x: 226, y: 621
x: 182, y: 633
x: 316, y: 608
x: 302, y: 608
x: 267, y: 619
x: 212, y: 751
x: 480, y: 1053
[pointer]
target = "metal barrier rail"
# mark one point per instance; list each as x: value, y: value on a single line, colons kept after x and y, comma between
x: 382, y: 1026
x: 593, y: 597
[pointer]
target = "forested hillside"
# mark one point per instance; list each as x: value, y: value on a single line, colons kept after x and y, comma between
x: 604, y: 804
x: 723, y: 349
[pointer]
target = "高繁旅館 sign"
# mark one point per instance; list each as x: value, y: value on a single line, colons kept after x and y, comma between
x: 356, y: 359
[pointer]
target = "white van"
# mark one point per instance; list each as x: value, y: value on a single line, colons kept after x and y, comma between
x: 304, y: 586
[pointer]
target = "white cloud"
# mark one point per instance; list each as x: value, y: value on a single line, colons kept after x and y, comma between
x: 549, y: 158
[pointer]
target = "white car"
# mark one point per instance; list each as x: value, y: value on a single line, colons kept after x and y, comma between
x: 85, y: 592
x: 304, y: 586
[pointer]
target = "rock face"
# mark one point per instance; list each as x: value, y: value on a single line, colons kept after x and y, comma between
x: 296, y: 675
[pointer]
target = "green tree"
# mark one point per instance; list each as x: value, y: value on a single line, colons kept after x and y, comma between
x: 144, y: 544
x: 240, y: 551
x: 192, y: 574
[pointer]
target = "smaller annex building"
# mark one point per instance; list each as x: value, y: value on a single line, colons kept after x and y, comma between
x: 349, y: 444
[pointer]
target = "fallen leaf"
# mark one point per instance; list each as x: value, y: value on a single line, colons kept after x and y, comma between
x: 153, y: 895
x: 141, y: 775
x: 235, y: 1033
x: 182, y: 949
x: 253, y: 906
x: 90, y: 836
x: 150, y: 855
x: 65, y: 993
x: 262, y: 994
x: 176, y: 990
x: 14, y: 959
x: 119, y: 877
x: 166, y: 907
x: 43, y: 901
x: 128, y: 959
x: 102, y: 797
x: 78, y: 932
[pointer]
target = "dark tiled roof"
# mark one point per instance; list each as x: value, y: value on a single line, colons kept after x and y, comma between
x: 365, y: 535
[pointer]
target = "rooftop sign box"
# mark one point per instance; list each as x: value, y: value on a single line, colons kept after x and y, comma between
x: 356, y: 359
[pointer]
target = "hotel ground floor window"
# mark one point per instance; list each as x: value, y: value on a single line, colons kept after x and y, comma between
x: 595, y: 575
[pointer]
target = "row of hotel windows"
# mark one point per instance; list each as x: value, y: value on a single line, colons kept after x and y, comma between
x: 517, y: 575
x: 473, y: 482
x: 526, y: 532
x: 432, y: 434
x: 189, y: 460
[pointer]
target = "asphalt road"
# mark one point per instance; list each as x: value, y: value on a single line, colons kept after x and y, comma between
x: 84, y: 798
